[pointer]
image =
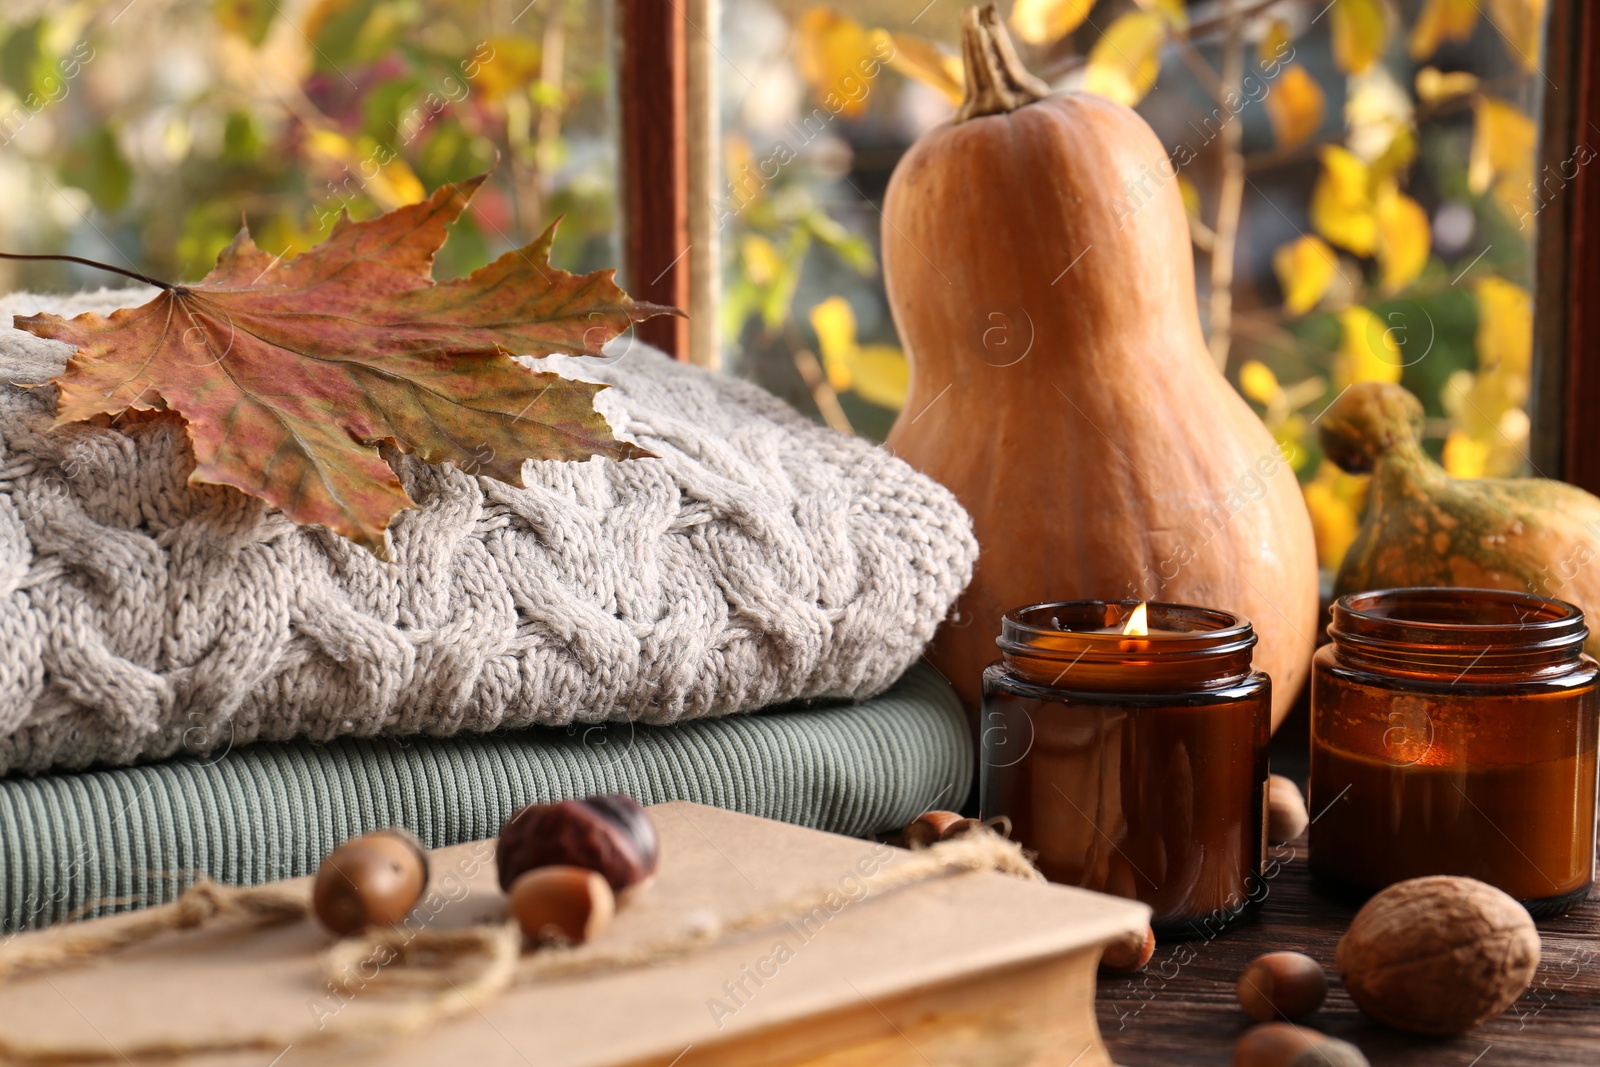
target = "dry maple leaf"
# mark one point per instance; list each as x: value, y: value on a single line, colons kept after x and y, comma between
x: 291, y: 373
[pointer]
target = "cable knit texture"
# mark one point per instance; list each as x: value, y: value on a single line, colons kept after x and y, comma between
x: 761, y: 559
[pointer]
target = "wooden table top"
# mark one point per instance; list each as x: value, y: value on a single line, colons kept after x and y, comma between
x: 1181, y: 1008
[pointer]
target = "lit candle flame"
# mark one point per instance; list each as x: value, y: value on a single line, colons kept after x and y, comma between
x: 1136, y: 625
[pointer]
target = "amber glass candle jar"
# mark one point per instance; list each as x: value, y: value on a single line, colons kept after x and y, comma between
x: 1133, y: 765
x: 1453, y: 732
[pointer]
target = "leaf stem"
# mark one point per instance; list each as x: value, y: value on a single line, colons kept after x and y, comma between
x: 90, y: 263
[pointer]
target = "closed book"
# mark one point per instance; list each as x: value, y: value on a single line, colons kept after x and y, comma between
x: 971, y: 967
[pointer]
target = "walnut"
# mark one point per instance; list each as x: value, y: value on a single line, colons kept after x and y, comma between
x: 1438, y: 955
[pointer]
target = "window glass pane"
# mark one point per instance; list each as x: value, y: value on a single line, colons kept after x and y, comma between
x: 139, y: 133
x: 1385, y: 217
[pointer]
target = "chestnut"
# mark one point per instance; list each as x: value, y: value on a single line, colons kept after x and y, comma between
x: 611, y: 835
x: 562, y: 904
x: 371, y: 880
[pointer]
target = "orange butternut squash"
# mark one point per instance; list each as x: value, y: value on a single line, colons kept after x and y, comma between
x: 1038, y: 264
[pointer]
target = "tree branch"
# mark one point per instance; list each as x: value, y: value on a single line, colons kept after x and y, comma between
x: 1230, y: 197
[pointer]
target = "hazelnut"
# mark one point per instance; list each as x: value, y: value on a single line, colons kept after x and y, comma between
x: 1287, y: 818
x: 1288, y: 1045
x: 1129, y: 954
x: 562, y: 904
x: 611, y: 834
x: 371, y: 880
x: 1438, y: 955
x: 932, y: 827
x: 1282, y: 985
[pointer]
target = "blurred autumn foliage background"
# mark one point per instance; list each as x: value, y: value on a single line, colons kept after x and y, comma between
x: 1360, y: 174
x: 140, y: 132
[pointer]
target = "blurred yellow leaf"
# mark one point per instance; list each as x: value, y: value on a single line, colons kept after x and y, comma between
x: 1305, y: 268
x: 1124, y: 63
x: 1404, y: 237
x: 396, y: 185
x: 835, y: 324
x: 1295, y: 105
x: 1176, y: 11
x: 513, y: 64
x: 1435, y: 86
x: 1503, y: 141
x: 1369, y: 352
x: 1521, y: 25
x: 1360, y: 30
x: 1047, y: 21
x: 1335, y: 500
x: 1454, y: 394
x: 831, y: 52
x: 1397, y: 156
x: 1290, y: 434
x: 1441, y: 20
x: 1487, y: 407
x: 1257, y: 382
x: 1464, y: 456
x: 1275, y: 43
x: 920, y: 60
x: 330, y: 144
x: 1190, y: 195
x: 384, y: 176
x: 1502, y: 155
x: 1341, y: 202
x: 761, y: 260
x: 1505, y: 326
x: 1379, y: 113
x: 879, y: 374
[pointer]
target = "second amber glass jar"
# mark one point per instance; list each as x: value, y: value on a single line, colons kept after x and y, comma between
x: 1133, y: 765
x: 1453, y: 732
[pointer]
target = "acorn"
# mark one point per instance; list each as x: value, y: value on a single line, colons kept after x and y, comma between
x: 562, y: 905
x: 371, y: 880
x: 931, y: 827
x: 611, y: 835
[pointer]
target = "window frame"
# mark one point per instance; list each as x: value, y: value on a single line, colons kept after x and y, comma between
x: 1567, y: 310
x: 667, y: 111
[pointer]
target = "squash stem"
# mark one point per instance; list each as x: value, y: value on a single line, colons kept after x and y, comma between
x: 997, y: 82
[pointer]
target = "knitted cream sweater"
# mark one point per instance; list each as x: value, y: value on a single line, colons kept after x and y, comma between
x: 760, y: 559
